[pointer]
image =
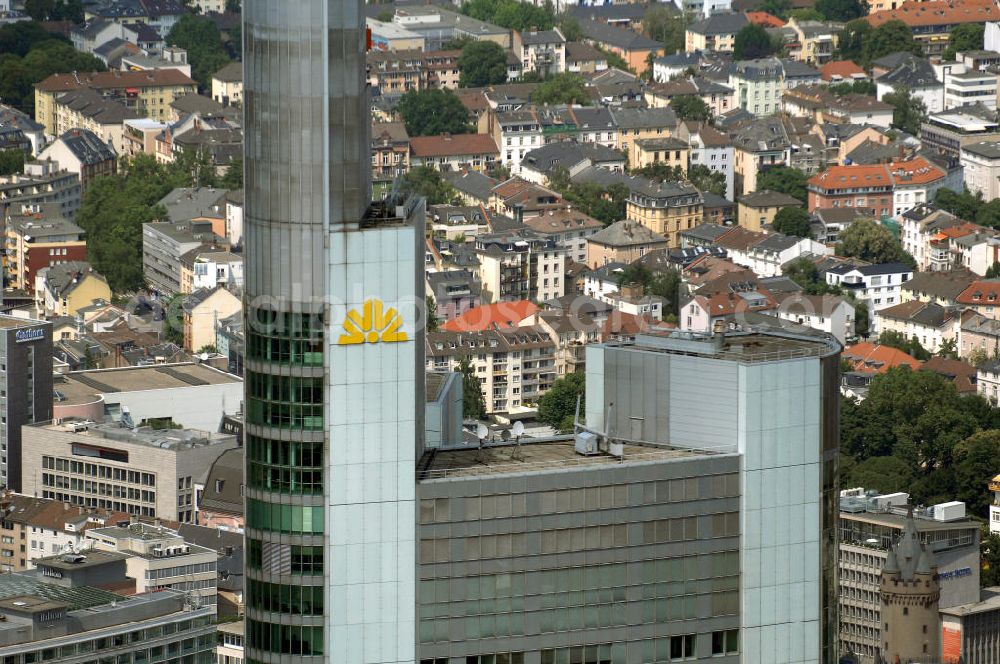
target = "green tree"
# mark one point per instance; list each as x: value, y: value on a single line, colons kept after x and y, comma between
x: 862, y: 318
x: 18, y: 75
x: 948, y: 348
x: 909, y: 346
x: 978, y: 357
x: 20, y: 37
x: 431, y: 314
x: 113, y: 211
x: 785, y: 179
x: 840, y: 10
x: 690, y: 107
x: 11, y: 161
x: 203, y: 42
x: 236, y: 7
x: 909, y: 111
x: 705, y: 179
x: 511, y: 14
x: 659, y: 170
x: 473, y: 403
x: 780, y: 8
x: 885, y: 474
x: 964, y: 37
x: 432, y: 112
x: 890, y: 37
x: 427, y: 182
x: 990, y: 554
x: 870, y: 241
x: 570, y: 28
x: 173, y: 320
x: 993, y: 271
x: 807, y: 14
x: 804, y: 272
x: 852, y: 39
x: 666, y: 26
x: 961, y: 204
x: 558, y: 405
x: 792, y: 221
x: 751, y: 42
x: 233, y: 177
x: 386, y: 15
x: 563, y: 88
x: 977, y: 459
x: 855, y: 87
x: 482, y: 63
x: 54, y: 10
x: 989, y: 214
x: 667, y: 284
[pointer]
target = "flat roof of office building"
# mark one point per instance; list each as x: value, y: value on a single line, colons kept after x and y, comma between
x: 535, y: 457
x: 78, y: 387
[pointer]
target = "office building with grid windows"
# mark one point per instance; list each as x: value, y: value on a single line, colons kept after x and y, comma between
x: 333, y: 351
x: 25, y: 388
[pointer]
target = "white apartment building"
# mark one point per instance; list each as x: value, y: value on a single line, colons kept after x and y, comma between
x: 514, y: 365
x: 931, y: 323
x: 518, y: 133
x: 981, y: 162
x: 757, y: 85
x: 713, y: 149
x: 543, y: 51
x: 827, y: 313
x: 767, y: 257
x: 878, y: 285
x: 520, y: 266
x: 970, y: 87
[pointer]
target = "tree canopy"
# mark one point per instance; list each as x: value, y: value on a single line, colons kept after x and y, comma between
x: 851, y: 40
x: 11, y: 161
x: 792, y: 221
x: 565, y: 88
x: 840, y: 10
x: 427, y: 182
x: 605, y: 205
x: 871, y: 241
x: 666, y: 26
x: 690, y: 107
x: 938, y: 439
x: 785, y: 179
x: 54, y: 10
x: 433, y: 111
x: 203, y: 42
x: 854, y: 87
x: 113, y: 211
x: 909, y: 111
x: 890, y: 37
x: 752, y: 41
x: 805, y: 273
x: 558, y: 405
x: 911, y: 346
x: 44, y: 56
x: 482, y: 63
x: 964, y: 37
x: 473, y: 403
x: 705, y: 179
x: 511, y: 14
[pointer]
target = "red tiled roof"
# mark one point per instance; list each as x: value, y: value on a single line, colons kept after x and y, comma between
x: 453, y: 144
x: 853, y: 176
x: 764, y: 19
x: 915, y: 171
x: 845, y: 69
x: 501, y: 314
x: 937, y: 12
x: 869, y: 357
x: 115, y: 79
x: 728, y: 303
x: 980, y: 293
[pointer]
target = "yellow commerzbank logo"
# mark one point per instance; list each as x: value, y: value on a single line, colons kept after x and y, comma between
x: 372, y: 325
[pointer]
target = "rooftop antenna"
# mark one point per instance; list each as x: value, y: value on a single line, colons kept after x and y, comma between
x: 517, y: 431
x: 481, y: 432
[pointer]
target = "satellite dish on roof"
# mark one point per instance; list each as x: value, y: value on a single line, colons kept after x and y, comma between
x: 481, y: 432
x: 518, y: 429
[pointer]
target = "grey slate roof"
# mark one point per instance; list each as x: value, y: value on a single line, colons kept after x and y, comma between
x: 707, y: 232
x: 231, y: 73
x: 615, y: 36
x: 913, y: 73
x: 187, y: 203
x: 644, y: 118
x: 720, y: 24
x: 471, y: 183
x: 529, y: 37
x: 196, y: 103
x: 988, y: 149
x: 767, y: 198
x: 62, y: 278
x: 87, y: 147
x: 626, y: 233
x: 568, y: 154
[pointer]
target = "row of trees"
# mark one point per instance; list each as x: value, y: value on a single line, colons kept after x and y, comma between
x: 114, y: 209
x: 914, y: 432
x: 29, y: 54
x: 206, y: 49
x: 969, y: 206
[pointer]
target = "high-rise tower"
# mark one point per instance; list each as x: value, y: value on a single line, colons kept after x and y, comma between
x: 333, y: 407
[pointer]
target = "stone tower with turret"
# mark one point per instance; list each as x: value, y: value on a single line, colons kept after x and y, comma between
x: 910, y: 590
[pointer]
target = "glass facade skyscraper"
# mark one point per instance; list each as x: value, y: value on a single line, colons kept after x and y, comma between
x: 333, y: 349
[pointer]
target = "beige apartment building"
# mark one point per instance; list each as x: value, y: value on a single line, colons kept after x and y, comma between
x: 666, y: 208
x: 145, y: 472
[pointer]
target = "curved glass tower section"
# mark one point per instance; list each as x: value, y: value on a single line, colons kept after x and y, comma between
x: 332, y: 351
